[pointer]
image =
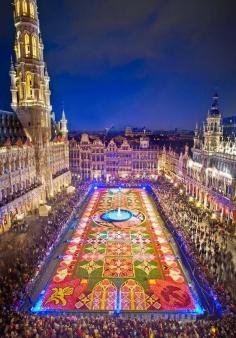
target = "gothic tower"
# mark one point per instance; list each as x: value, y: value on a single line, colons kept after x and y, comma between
x: 30, y: 86
x: 213, y: 130
x: 63, y: 124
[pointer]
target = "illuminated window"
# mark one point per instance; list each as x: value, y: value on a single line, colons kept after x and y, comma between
x: 29, y: 85
x: 17, y: 49
x: 18, y: 8
x: 34, y: 46
x: 27, y: 45
x: 32, y: 13
x: 24, y: 7
x: 20, y: 87
x: 20, y: 92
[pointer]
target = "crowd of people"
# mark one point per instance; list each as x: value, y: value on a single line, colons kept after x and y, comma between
x: 19, y: 227
x: 207, y: 240
x: 23, y: 325
x: 21, y: 264
x: 208, y: 243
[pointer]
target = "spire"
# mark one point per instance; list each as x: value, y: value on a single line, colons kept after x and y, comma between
x: 12, y: 69
x: 63, y: 116
x: 63, y: 123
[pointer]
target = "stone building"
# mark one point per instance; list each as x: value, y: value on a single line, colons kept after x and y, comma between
x: 113, y: 159
x: 34, y: 152
x: 209, y: 175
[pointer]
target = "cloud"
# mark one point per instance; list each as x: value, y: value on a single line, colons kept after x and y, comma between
x: 88, y: 37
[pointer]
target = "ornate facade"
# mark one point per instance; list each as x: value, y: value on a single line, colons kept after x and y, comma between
x: 117, y: 158
x: 34, y: 153
x: 209, y: 175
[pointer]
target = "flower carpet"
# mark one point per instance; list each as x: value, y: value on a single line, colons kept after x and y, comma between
x: 119, y: 266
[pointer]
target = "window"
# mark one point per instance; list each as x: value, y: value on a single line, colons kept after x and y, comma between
x: 24, y: 7
x: 18, y: 8
x: 29, y: 85
x: 17, y: 49
x: 32, y: 12
x: 34, y: 46
x: 27, y: 45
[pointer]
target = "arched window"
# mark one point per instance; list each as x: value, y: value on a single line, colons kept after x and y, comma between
x: 34, y: 46
x: 24, y: 7
x: 17, y: 7
x: 29, y: 85
x: 20, y: 90
x: 32, y: 11
x: 27, y: 45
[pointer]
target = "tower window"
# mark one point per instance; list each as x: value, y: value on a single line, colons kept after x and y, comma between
x: 20, y: 87
x: 35, y: 46
x: 29, y: 85
x: 27, y: 45
x: 32, y: 11
x: 17, y: 7
x: 24, y: 7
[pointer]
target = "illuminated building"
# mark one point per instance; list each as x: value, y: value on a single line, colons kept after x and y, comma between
x: 34, y: 152
x: 113, y: 160
x: 229, y: 126
x: 210, y: 174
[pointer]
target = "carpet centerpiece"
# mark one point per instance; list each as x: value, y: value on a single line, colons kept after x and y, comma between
x: 119, y: 258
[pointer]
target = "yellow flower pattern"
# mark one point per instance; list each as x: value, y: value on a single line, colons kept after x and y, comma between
x: 59, y: 294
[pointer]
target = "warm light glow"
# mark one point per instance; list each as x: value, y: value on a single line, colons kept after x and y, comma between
x: 17, y: 49
x: 214, y: 216
x: 27, y: 45
x: 24, y: 7
x: 28, y: 85
x: 32, y: 12
x: 190, y: 163
x: 18, y: 8
x: 35, y: 46
x: 20, y: 91
x: 218, y: 173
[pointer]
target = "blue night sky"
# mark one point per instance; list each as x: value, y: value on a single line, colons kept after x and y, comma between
x: 146, y: 63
